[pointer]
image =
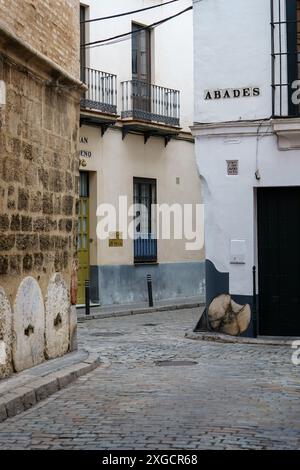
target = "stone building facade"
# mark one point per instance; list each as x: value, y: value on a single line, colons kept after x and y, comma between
x: 39, y: 120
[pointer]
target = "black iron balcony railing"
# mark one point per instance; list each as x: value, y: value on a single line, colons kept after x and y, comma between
x: 102, y: 90
x: 141, y: 100
x: 145, y: 248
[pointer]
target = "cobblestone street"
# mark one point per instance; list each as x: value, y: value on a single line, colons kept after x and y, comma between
x: 226, y: 396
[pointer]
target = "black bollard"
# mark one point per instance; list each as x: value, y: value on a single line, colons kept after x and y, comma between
x: 254, y: 303
x: 87, y: 298
x: 150, y: 296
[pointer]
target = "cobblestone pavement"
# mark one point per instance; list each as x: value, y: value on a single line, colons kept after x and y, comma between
x: 235, y: 397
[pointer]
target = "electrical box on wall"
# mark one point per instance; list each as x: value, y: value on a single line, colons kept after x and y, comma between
x: 238, y: 252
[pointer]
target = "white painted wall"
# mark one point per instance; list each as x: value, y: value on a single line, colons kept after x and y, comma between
x: 113, y: 165
x: 233, y: 49
x: 232, y: 42
x: 172, y: 46
x: 230, y: 200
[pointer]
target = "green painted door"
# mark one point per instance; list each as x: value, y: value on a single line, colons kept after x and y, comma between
x: 83, y: 238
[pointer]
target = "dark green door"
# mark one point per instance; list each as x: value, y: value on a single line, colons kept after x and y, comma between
x: 83, y: 237
x: 279, y: 261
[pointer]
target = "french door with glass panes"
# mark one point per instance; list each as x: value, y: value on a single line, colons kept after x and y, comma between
x: 83, y: 237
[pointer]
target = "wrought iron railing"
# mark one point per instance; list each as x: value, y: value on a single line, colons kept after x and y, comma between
x: 145, y: 248
x: 102, y: 90
x: 141, y: 100
x: 285, y: 34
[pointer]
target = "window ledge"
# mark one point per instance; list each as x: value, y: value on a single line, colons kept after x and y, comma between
x: 288, y: 133
x: 146, y: 263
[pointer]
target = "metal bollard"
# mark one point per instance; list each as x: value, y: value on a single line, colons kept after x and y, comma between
x: 87, y: 297
x: 150, y: 296
x: 254, y: 303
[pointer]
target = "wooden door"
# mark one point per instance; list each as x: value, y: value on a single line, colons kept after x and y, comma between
x: 279, y: 261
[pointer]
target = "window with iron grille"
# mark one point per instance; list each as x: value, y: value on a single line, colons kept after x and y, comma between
x: 285, y: 30
x: 145, y: 242
x: 83, y: 38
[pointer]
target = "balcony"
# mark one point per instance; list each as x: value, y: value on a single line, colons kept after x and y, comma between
x: 101, y: 95
x: 150, y: 110
x: 146, y: 102
x: 145, y: 248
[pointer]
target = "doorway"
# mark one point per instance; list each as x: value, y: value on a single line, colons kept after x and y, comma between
x: 278, y: 211
x: 83, y: 237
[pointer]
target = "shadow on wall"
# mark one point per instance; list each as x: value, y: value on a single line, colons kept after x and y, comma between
x: 35, y: 330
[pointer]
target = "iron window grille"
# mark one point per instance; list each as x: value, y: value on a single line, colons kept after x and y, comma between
x: 145, y: 240
x: 285, y: 33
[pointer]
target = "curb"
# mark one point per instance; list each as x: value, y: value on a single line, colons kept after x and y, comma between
x: 221, y: 338
x: 25, y: 396
x: 139, y: 311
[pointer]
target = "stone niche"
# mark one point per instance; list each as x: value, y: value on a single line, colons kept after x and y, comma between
x: 228, y: 317
x: 28, y: 326
x: 5, y: 335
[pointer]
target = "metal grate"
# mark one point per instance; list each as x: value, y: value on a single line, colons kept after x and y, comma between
x: 102, y: 90
x: 147, y: 102
x: 285, y: 32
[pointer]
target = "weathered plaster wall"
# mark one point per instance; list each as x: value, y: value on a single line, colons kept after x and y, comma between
x: 232, y: 49
x: 114, y: 164
x: 230, y: 201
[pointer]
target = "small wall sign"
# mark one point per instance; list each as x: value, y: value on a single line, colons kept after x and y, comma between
x: 232, y: 167
x: 116, y: 242
x: 238, y: 252
x: 231, y: 93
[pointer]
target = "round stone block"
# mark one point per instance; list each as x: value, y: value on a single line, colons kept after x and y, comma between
x: 5, y: 336
x: 228, y: 317
x: 28, y: 325
x: 57, y: 318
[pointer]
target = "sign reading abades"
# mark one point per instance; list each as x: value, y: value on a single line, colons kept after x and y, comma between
x: 231, y: 93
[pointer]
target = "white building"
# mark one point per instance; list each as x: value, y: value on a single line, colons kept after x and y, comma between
x: 247, y: 131
x: 136, y: 142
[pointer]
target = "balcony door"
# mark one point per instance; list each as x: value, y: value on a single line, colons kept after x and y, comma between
x: 83, y: 237
x: 141, y: 68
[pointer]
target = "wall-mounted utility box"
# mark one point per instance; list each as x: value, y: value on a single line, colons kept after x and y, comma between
x: 238, y: 252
